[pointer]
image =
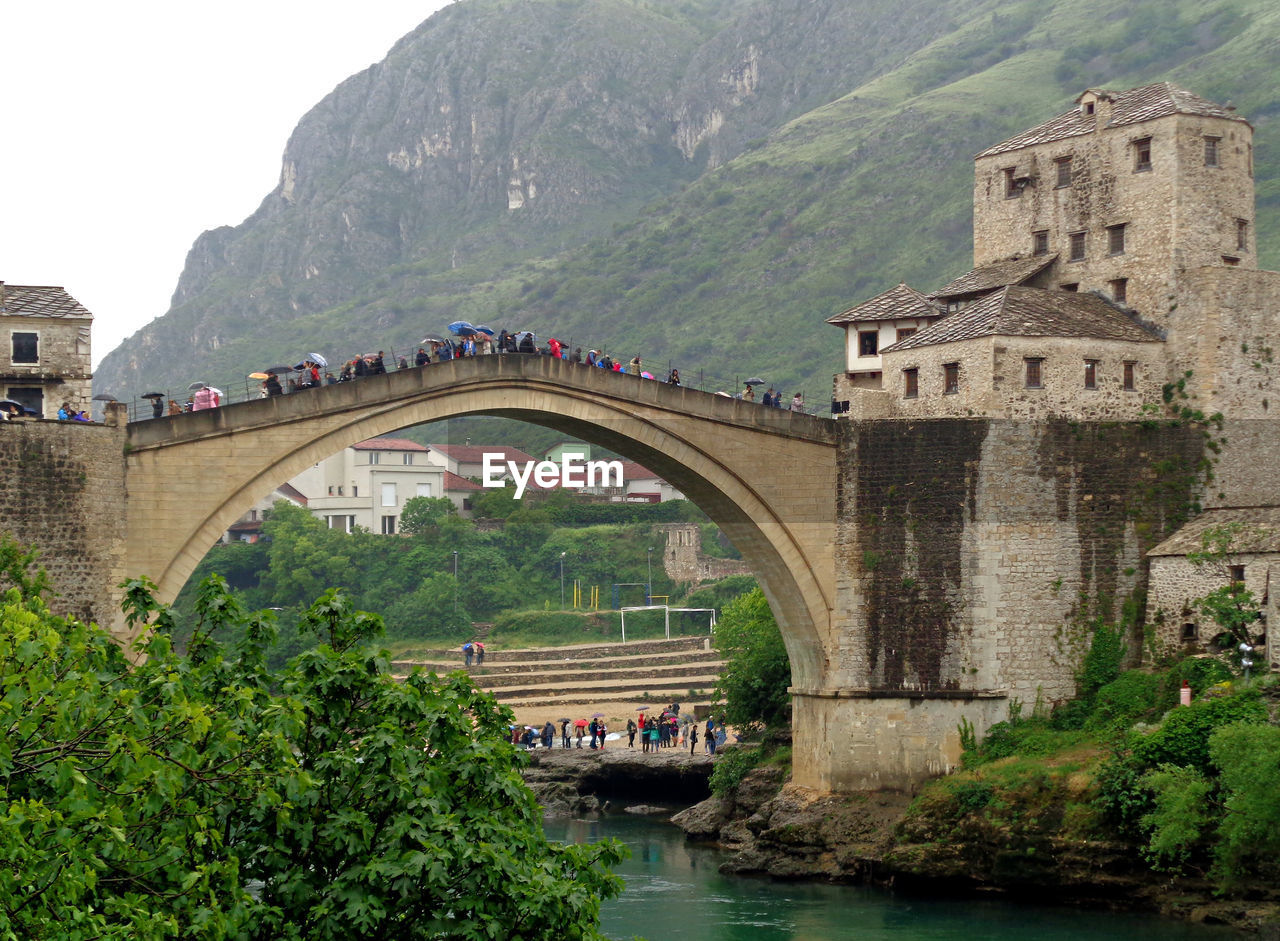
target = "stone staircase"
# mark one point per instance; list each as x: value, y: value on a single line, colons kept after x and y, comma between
x: 614, y: 678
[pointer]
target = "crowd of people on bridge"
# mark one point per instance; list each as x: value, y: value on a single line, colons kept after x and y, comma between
x: 468, y: 341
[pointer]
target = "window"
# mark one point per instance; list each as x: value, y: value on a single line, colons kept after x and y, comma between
x: 1077, y: 246
x: 1040, y: 242
x: 1230, y: 260
x: 950, y: 378
x: 1063, y: 165
x: 1242, y: 235
x: 31, y: 399
x: 355, y: 491
x: 1130, y: 368
x: 1115, y: 239
x: 1142, y: 155
x: 1033, y: 365
x: 331, y: 489
x: 1211, y: 151
x: 388, y: 526
x: 1120, y: 290
x: 375, y: 457
x: 423, y: 489
x: 904, y: 332
x: 1071, y: 288
x: 1190, y: 633
x: 1011, y: 188
x: 408, y: 457
x: 388, y: 494
x: 1088, y: 107
x: 1091, y: 374
x: 868, y: 342
x: 1237, y: 573
x: 26, y: 347
x: 910, y: 383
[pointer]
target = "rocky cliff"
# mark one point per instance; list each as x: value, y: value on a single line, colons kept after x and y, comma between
x: 677, y: 177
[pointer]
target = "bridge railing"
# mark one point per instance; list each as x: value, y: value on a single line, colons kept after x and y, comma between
x: 241, y: 388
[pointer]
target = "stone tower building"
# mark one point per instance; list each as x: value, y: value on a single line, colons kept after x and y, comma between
x: 1114, y: 253
x: 1120, y: 194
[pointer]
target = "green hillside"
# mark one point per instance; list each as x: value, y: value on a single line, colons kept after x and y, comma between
x: 733, y: 269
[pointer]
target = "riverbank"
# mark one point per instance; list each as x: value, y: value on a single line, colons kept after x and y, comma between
x: 771, y: 828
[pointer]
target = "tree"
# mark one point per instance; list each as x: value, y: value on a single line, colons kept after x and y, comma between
x: 1232, y: 606
x: 424, y: 514
x: 144, y: 801
x: 754, y: 680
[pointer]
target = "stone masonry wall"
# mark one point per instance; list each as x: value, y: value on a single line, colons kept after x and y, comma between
x: 1178, y: 213
x: 62, y: 490
x: 968, y: 549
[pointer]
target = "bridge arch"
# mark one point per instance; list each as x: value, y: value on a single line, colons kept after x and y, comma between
x: 766, y: 476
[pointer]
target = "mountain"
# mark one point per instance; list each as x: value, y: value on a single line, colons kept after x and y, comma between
x: 699, y: 181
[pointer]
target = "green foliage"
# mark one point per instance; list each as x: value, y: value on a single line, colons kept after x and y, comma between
x: 576, y: 513
x: 1102, y: 661
x: 732, y: 765
x: 422, y: 515
x: 1133, y: 695
x: 1183, y: 738
x: 753, y: 683
x: 1180, y: 814
x: 718, y: 594
x: 142, y: 801
x: 1234, y: 609
x: 1248, y: 760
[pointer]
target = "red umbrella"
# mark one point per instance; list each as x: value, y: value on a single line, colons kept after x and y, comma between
x: 581, y: 723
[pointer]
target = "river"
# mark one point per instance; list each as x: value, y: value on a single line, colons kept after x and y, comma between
x: 676, y: 893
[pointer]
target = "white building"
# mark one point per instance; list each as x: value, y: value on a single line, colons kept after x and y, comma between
x: 367, y: 484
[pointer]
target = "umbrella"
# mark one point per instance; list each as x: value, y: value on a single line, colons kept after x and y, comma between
x: 753, y: 381
x: 564, y: 719
x: 489, y: 331
x: 152, y: 395
x: 461, y: 328
x: 581, y: 723
x: 259, y: 375
x: 10, y: 404
x: 646, y: 375
x: 643, y: 708
x: 597, y: 715
x: 432, y: 338
x: 196, y: 385
x: 104, y: 397
x: 317, y: 359
x: 278, y: 370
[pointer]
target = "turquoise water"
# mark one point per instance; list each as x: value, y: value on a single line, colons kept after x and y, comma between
x: 674, y: 891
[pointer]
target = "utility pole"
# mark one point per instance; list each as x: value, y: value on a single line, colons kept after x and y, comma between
x: 455, y: 584
x: 562, y: 581
x: 648, y: 588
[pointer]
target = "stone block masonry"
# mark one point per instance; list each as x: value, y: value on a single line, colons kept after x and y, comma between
x: 62, y: 490
x: 970, y: 554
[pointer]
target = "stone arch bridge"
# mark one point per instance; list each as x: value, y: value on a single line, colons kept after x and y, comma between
x: 766, y: 476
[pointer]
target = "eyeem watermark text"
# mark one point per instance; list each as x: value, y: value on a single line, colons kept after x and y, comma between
x: 572, y: 471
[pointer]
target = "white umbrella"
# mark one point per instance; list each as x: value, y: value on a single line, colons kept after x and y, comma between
x: 317, y: 359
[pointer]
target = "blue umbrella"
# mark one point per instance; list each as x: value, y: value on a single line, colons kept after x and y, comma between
x: 481, y: 328
x: 461, y: 328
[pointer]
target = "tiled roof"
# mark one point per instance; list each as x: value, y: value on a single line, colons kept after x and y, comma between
x: 895, y: 303
x: 453, y: 482
x: 290, y: 492
x: 633, y: 471
x: 1259, y: 531
x: 26, y: 300
x: 1032, y: 312
x: 387, y: 444
x: 474, y: 453
x: 996, y: 275
x: 1128, y: 107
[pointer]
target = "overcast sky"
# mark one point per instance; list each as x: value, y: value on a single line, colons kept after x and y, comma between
x: 127, y: 129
